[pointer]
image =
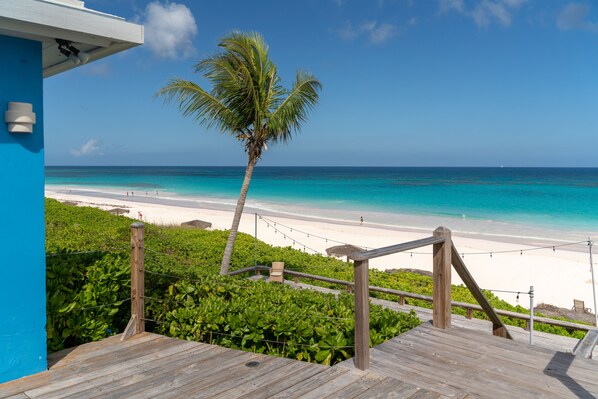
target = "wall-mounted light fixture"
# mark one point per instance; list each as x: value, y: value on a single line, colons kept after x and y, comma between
x: 75, y: 55
x: 19, y: 117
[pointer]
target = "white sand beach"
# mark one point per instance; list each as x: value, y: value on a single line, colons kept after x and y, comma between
x: 558, y: 275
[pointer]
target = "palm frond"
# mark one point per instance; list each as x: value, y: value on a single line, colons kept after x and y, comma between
x: 293, y: 110
x: 246, y: 94
x: 195, y: 102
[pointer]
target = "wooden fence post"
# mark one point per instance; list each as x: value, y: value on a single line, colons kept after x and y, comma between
x: 362, y: 315
x: 137, y: 276
x: 136, y: 323
x: 442, y: 280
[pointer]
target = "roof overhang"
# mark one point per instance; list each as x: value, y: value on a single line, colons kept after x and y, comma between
x: 93, y: 32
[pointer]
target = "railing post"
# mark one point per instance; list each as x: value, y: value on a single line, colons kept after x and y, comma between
x: 362, y: 315
x: 469, y: 313
x: 137, y: 277
x: 531, y: 315
x: 442, y: 279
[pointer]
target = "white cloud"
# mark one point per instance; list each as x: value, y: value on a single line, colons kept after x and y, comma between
x: 575, y: 17
x: 169, y: 30
x: 89, y: 148
x: 485, y: 12
x: 347, y: 32
x: 451, y: 5
x: 377, y: 33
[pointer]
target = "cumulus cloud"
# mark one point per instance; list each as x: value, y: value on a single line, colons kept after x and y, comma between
x: 575, y: 17
x: 90, y: 148
x: 376, y: 33
x: 451, y: 5
x: 169, y: 30
x: 347, y: 32
x: 485, y: 12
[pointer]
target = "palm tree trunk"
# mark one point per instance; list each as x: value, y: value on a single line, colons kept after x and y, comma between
x: 230, y: 244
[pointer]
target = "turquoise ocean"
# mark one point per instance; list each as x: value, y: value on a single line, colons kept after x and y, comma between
x: 510, y: 201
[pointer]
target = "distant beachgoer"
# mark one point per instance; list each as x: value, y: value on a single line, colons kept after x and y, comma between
x: 156, y: 193
x: 127, y: 193
x: 132, y: 194
x: 361, y: 220
x: 140, y: 215
x: 146, y: 193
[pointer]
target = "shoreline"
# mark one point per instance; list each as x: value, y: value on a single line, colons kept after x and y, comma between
x: 558, y: 276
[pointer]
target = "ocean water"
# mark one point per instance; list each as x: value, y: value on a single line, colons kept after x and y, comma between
x: 486, y: 200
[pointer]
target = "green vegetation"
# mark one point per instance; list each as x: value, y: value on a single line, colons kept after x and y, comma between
x: 270, y: 318
x: 88, y: 292
x: 246, y: 101
x: 225, y: 310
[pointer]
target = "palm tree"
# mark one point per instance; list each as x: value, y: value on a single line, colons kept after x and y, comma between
x: 247, y: 101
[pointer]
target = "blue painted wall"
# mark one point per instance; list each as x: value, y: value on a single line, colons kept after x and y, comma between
x: 22, y: 227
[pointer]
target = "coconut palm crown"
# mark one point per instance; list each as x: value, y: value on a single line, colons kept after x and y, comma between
x: 246, y: 101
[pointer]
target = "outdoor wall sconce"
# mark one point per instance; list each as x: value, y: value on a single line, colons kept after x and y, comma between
x: 75, y: 55
x: 19, y: 117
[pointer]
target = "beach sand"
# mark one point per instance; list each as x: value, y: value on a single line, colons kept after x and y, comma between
x: 558, y: 276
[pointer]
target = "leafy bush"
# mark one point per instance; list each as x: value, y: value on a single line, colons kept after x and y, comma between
x: 84, y: 297
x: 192, y: 253
x: 270, y: 318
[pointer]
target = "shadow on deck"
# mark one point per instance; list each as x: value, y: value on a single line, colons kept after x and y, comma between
x: 461, y: 360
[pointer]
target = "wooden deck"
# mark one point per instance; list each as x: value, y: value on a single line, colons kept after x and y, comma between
x: 463, y: 362
x: 422, y: 363
x: 153, y: 366
x: 458, y: 360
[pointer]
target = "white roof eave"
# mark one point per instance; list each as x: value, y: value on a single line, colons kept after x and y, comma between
x: 96, y: 33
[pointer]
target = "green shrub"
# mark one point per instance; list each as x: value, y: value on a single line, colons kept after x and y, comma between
x: 270, y: 318
x: 85, y: 296
x: 194, y: 254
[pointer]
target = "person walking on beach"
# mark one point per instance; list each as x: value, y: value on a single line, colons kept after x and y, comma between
x: 361, y: 220
x: 140, y: 215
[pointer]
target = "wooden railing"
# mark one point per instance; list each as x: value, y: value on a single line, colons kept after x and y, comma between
x: 136, y: 323
x: 442, y: 258
x: 444, y: 253
x: 402, y: 295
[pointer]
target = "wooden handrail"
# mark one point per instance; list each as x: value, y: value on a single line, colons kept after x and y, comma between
x: 427, y: 298
x: 498, y: 327
x: 585, y: 347
x: 393, y: 249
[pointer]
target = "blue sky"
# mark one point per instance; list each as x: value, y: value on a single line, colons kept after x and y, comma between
x: 405, y: 83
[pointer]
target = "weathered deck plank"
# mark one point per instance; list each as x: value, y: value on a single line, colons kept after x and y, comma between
x: 422, y: 363
x: 149, y: 365
x: 483, y: 365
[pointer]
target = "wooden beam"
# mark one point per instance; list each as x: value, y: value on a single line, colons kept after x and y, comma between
x: 498, y: 327
x: 129, y: 329
x: 362, y: 316
x: 406, y: 246
x: 441, y: 305
x: 137, y: 277
x: 585, y: 347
